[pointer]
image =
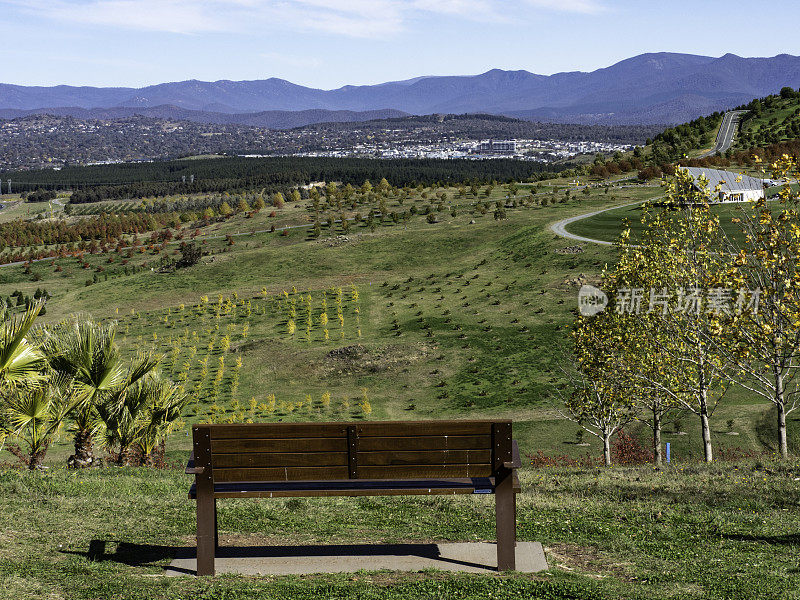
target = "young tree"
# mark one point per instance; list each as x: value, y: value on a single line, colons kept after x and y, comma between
x: 765, y: 346
x: 599, y: 401
x: 86, y: 352
x: 641, y: 337
x: 680, y: 248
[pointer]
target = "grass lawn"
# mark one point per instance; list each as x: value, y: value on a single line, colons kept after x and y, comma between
x: 688, y: 531
x: 609, y: 224
x: 467, y: 317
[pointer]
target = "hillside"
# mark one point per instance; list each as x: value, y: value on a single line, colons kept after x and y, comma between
x: 650, y: 88
x: 770, y: 120
x: 272, y: 119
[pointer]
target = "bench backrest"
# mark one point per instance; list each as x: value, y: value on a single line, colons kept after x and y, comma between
x: 365, y: 450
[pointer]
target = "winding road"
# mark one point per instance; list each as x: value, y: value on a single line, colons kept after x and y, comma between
x: 725, y: 137
x: 560, y: 227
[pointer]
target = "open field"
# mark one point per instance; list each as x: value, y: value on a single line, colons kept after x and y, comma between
x: 481, y: 333
x: 404, y: 318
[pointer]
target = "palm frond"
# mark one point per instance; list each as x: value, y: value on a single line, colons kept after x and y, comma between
x: 21, y: 362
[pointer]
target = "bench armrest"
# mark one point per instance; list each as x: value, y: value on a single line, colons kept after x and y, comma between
x: 191, y: 469
x: 516, y: 461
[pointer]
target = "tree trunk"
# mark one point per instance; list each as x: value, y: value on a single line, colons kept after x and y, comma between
x: 779, y: 404
x: 782, y: 431
x: 83, y: 456
x: 37, y: 458
x: 657, y: 437
x: 707, y: 452
x: 607, y: 448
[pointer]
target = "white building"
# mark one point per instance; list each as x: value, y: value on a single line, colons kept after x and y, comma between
x: 726, y: 186
x: 497, y: 147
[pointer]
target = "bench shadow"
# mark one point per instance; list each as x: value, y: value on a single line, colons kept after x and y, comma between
x: 126, y: 553
x: 789, y: 539
x: 143, y: 555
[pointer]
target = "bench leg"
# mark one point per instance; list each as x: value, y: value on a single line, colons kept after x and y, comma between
x: 216, y: 528
x: 506, y: 518
x: 206, y: 533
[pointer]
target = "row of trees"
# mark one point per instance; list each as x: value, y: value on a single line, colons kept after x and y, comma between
x: 274, y: 174
x: 696, y: 309
x: 73, y: 371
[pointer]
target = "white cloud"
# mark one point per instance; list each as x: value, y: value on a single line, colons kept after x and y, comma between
x: 352, y: 18
x: 578, y: 6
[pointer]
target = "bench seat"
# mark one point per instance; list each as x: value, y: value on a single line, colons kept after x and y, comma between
x: 353, y: 487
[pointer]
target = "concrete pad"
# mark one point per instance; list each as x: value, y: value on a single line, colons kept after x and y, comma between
x: 303, y: 560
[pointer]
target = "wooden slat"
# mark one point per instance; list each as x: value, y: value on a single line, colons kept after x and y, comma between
x: 434, y: 457
x: 280, y: 459
x: 280, y: 474
x: 423, y: 471
x: 432, y: 442
x: 277, y: 430
x: 279, y: 445
x: 420, y: 428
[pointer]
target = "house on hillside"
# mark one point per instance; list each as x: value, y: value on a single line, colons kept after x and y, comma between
x: 726, y: 186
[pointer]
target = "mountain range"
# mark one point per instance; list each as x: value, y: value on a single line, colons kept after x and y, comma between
x: 651, y: 88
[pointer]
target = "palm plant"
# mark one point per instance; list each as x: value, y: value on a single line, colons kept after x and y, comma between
x: 167, y: 401
x: 35, y: 417
x: 21, y: 362
x: 123, y: 415
x: 85, y: 351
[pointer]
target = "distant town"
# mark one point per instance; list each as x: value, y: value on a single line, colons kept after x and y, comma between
x: 47, y: 141
x: 544, y: 151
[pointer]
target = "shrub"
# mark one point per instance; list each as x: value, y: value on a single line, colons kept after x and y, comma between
x: 627, y: 450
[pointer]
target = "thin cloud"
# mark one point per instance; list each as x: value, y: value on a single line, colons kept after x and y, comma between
x: 350, y: 18
x: 577, y: 6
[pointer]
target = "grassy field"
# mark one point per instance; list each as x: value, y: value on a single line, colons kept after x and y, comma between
x: 722, y: 531
x: 466, y: 317
x: 479, y: 334
x: 609, y: 224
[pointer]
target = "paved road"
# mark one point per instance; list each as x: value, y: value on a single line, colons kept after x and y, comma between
x: 560, y: 228
x: 727, y: 131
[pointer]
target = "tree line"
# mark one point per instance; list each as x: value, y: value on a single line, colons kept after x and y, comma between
x: 102, y: 182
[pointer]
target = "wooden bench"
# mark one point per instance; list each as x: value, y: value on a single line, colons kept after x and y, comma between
x: 274, y: 460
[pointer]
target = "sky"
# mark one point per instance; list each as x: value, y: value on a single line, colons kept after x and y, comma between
x: 330, y: 43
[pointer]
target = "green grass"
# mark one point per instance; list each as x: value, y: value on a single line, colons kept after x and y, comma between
x: 609, y: 224
x: 457, y: 320
x: 722, y: 531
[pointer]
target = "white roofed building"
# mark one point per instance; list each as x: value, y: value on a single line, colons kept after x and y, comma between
x: 726, y: 186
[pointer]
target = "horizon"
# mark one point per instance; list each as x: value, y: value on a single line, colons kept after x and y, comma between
x: 327, y: 44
